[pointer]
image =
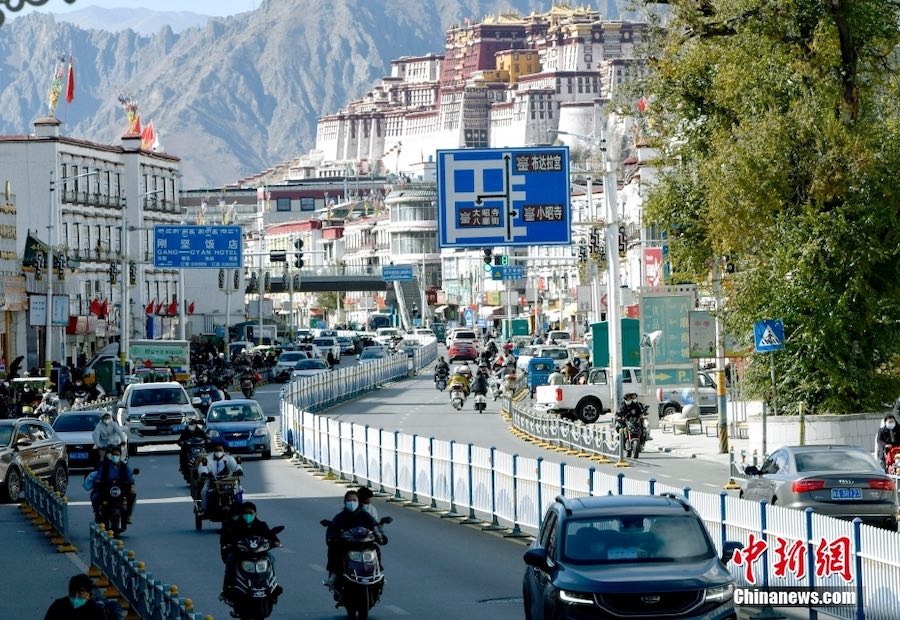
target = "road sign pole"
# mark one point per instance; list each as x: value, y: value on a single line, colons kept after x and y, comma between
x: 720, y: 362
x: 612, y: 295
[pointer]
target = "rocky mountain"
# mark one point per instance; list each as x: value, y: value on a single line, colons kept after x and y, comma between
x: 239, y: 94
x: 143, y: 21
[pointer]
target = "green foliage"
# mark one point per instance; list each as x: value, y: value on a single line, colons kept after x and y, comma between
x: 328, y: 300
x: 780, y: 126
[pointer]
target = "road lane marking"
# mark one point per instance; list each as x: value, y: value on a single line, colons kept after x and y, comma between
x: 398, y: 611
x: 187, y: 499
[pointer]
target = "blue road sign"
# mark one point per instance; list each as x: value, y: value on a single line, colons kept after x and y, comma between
x: 768, y: 335
x: 514, y: 196
x: 508, y: 272
x: 469, y: 317
x: 389, y: 273
x: 197, y: 247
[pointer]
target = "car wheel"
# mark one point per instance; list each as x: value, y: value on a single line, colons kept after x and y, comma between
x: 60, y: 478
x: 669, y: 409
x: 266, y: 455
x: 12, y: 490
x: 198, y: 522
x: 589, y: 410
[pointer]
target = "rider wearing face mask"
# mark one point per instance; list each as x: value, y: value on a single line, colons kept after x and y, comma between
x: 888, y: 436
x: 219, y: 465
x: 245, y: 525
x: 347, y: 519
x: 107, y: 433
x: 78, y: 605
x: 193, y: 431
x: 113, y: 468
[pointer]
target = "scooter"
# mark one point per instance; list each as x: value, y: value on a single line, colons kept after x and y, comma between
x: 480, y: 402
x: 247, y: 385
x: 495, y: 383
x: 440, y: 381
x: 457, y: 398
x: 361, y: 581
x: 48, y: 407
x: 254, y: 591
x: 114, y: 505
x: 190, y: 454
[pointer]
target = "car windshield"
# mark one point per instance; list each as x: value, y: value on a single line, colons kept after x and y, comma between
x: 73, y: 422
x: 555, y: 354
x: 310, y: 365
x: 372, y: 354
x: 343, y: 340
x: 5, y: 435
x: 466, y: 336
x: 159, y: 396
x: 323, y: 342
x: 234, y: 413
x: 627, y: 539
x: 409, y: 343
x: 559, y: 335
x: 293, y: 356
x: 835, y: 460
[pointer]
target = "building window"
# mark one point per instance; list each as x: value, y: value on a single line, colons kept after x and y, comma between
x: 282, y: 204
x: 307, y: 204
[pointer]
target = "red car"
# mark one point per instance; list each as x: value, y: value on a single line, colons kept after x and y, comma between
x: 462, y: 351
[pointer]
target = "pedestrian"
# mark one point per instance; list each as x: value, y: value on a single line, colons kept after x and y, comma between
x: 79, y: 604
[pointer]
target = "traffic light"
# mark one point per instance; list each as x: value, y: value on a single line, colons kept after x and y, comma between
x: 237, y: 279
x: 221, y: 278
x: 488, y: 259
x: 266, y: 281
x: 501, y: 260
x: 60, y: 261
x: 132, y: 273
x: 113, y: 273
x: 623, y: 241
x: 594, y: 242
x: 298, y: 254
x: 582, y: 252
x: 39, y: 266
x: 296, y: 281
x: 251, y: 286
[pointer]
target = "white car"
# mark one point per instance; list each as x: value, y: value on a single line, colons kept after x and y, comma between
x: 385, y: 335
x: 308, y: 368
x: 372, y: 354
x: 559, y: 337
x: 311, y: 350
x: 328, y: 344
x: 287, y: 361
x: 559, y: 355
x: 464, y: 335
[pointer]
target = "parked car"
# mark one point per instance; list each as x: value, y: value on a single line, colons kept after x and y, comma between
x: 673, y: 400
x: 29, y: 442
x: 462, y: 350
x: 372, y: 354
x: 240, y: 423
x: 76, y: 429
x: 559, y: 355
x: 311, y: 350
x: 385, y: 335
x: 626, y: 556
x: 409, y: 347
x: 558, y: 337
x: 328, y: 344
x: 348, y: 347
x: 286, y: 362
x: 835, y: 480
x: 309, y: 368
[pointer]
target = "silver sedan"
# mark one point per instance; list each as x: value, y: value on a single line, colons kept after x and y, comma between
x: 834, y: 480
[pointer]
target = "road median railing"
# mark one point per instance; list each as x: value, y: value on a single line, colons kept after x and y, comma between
x: 48, y: 509
x: 147, y: 598
x: 508, y: 493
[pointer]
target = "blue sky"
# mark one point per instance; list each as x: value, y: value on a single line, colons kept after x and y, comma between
x: 203, y: 7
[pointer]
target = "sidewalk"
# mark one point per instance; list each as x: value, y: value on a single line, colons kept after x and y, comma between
x: 697, y: 444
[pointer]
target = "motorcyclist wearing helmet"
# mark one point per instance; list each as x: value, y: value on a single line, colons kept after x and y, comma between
x: 221, y: 465
x: 111, y: 469
x: 461, y: 378
x: 629, y: 408
x: 108, y: 433
x: 441, y: 367
x: 350, y: 517
x: 245, y: 525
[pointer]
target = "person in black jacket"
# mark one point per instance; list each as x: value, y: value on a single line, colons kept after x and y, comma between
x: 247, y: 525
x: 888, y: 436
x: 347, y: 519
x: 79, y: 604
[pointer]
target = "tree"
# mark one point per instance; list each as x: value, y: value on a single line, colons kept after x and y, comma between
x: 328, y: 300
x: 780, y: 129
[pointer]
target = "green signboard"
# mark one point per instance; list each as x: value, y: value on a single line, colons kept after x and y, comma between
x: 166, y: 353
x: 515, y: 327
x: 669, y: 315
x: 675, y: 376
x: 631, y: 343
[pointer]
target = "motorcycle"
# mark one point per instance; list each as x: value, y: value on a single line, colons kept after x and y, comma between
x: 254, y: 591
x: 225, y: 492
x: 114, y: 505
x: 248, y: 383
x: 508, y: 385
x: 191, y: 451
x: 495, y: 384
x: 48, y: 407
x: 480, y: 402
x: 361, y: 581
x: 457, y: 398
x: 204, y: 396
x: 635, y: 431
x: 440, y: 380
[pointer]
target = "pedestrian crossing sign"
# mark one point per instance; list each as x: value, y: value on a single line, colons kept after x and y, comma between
x: 768, y: 335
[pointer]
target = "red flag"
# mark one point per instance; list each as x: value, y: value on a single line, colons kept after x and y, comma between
x: 160, y: 306
x: 148, y: 137
x: 172, y: 309
x: 70, y: 83
x: 104, y: 309
x: 150, y: 306
x: 191, y: 308
x: 95, y: 306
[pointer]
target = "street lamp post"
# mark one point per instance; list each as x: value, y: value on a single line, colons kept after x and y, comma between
x: 53, y: 231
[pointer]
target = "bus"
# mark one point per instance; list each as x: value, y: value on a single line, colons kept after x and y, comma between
x: 376, y: 320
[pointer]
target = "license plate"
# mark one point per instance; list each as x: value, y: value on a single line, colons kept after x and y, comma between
x: 178, y: 428
x: 240, y: 443
x: 78, y: 456
x: 846, y: 493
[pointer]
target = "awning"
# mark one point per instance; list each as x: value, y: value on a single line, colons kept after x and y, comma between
x: 488, y: 310
x: 440, y: 309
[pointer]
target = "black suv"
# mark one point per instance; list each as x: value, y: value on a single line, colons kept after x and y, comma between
x: 626, y: 556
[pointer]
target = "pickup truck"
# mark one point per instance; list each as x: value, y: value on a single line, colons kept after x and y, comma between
x: 672, y: 400
x: 588, y: 401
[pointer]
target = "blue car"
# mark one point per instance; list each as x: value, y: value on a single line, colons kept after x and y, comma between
x: 241, y: 424
x: 626, y: 556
